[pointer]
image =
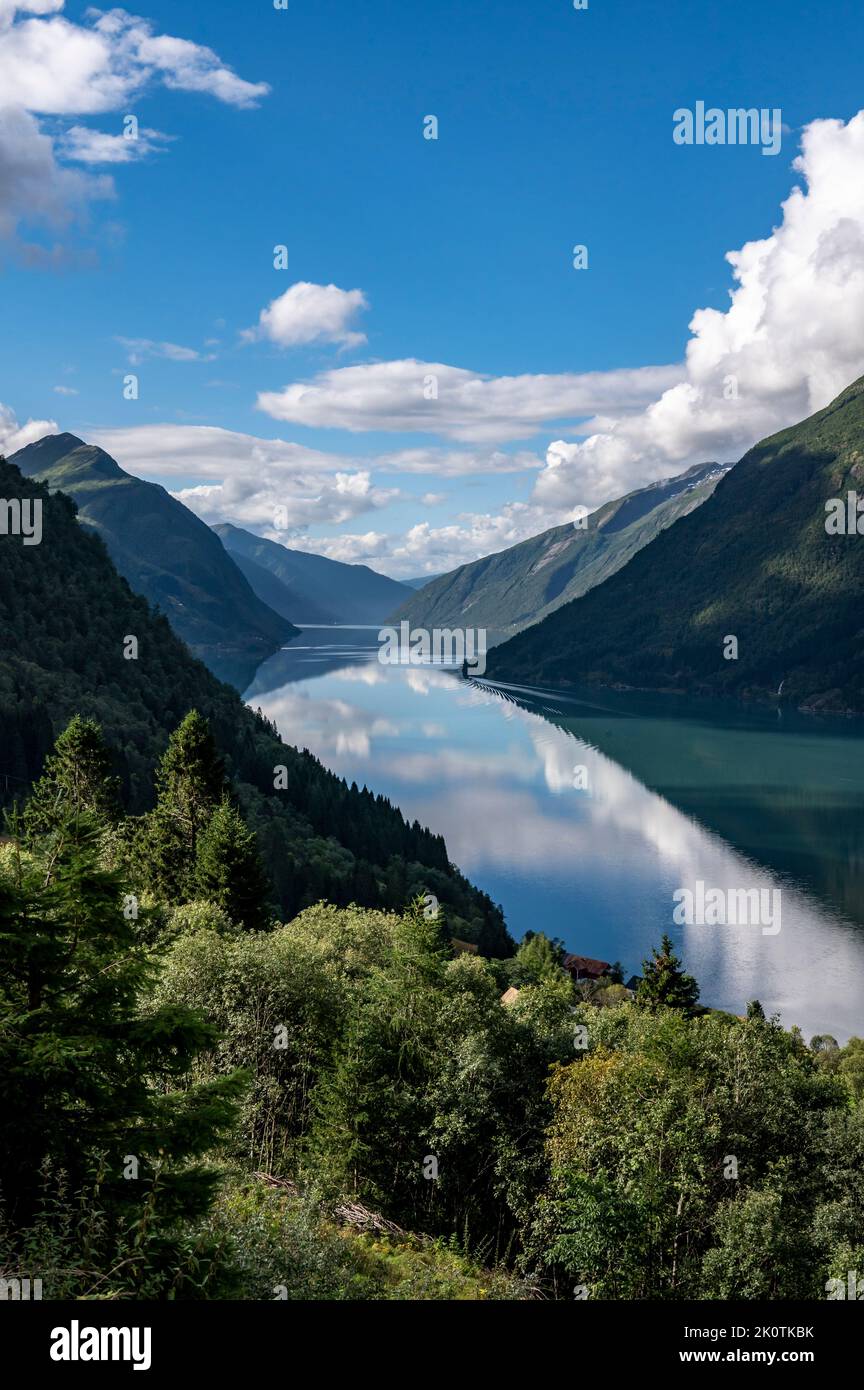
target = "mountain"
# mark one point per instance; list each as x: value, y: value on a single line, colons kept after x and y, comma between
x: 421, y: 581
x: 346, y: 593
x: 65, y: 619
x: 754, y: 562
x: 518, y: 586
x: 277, y: 595
x: 166, y: 553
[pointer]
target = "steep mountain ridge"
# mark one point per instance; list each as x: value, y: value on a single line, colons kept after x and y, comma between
x: 166, y: 553
x: 278, y: 596
x: 513, y: 588
x: 346, y: 593
x: 756, y: 563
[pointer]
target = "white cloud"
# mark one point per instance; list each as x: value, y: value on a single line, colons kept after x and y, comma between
x: 65, y: 390
x: 427, y: 549
x: 269, y: 485
x: 8, y: 8
x: 275, y: 505
x: 139, y: 349
x: 350, y: 549
x: 308, y: 313
x: 438, y: 399
x: 87, y: 146
x: 14, y: 436
x: 790, y: 341
x: 189, y: 67
x: 33, y: 186
x: 206, y: 451
x: 457, y: 463
x: 244, y: 478
x: 50, y: 66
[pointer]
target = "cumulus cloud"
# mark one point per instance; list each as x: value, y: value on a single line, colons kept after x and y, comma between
x: 366, y: 548
x: 34, y: 188
x: 427, y: 549
x: 14, y: 436
x: 53, y: 66
x: 8, y: 8
x: 308, y: 313
x: 50, y: 66
x: 245, y: 479
x: 791, y: 339
x: 275, y: 505
x: 269, y: 485
x: 459, y: 404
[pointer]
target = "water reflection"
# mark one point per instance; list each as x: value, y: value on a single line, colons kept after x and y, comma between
x: 667, y: 798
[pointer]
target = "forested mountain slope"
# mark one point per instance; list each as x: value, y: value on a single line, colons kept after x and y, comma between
x: 755, y: 563
x: 167, y: 554
x: 66, y: 618
x: 507, y: 591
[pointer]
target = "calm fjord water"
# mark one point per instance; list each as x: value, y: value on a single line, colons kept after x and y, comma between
x: 674, y: 795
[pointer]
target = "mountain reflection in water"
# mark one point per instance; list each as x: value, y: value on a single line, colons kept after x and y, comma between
x: 675, y: 794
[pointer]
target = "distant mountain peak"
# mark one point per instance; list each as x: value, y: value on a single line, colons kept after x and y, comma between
x: 69, y: 441
x: 165, y: 552
x: 314, y: 588
x: 46, y: 451
x: 75, y: 454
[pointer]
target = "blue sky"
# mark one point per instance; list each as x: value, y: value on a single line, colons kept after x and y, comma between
x: 555, y: 128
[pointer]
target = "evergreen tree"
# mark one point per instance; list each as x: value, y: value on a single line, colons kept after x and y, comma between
x: 190, y: 781
x: 77, y: 779
x: 63, y: 611
x: 229, y: 870
x: 92, y: 1088
x: 664, y: 984
x: 493, y: 938
x: 353, y: 1102
x: 28, y: 737
x: 537, y: 959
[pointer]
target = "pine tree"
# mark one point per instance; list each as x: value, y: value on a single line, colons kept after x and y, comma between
x: 190, y: 781
x: 364, y: 890
x: 87, y: 1078
x: 229, y: 870
x: 664, y: 984
x: 350, y: 1100
x: 78, y: 778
